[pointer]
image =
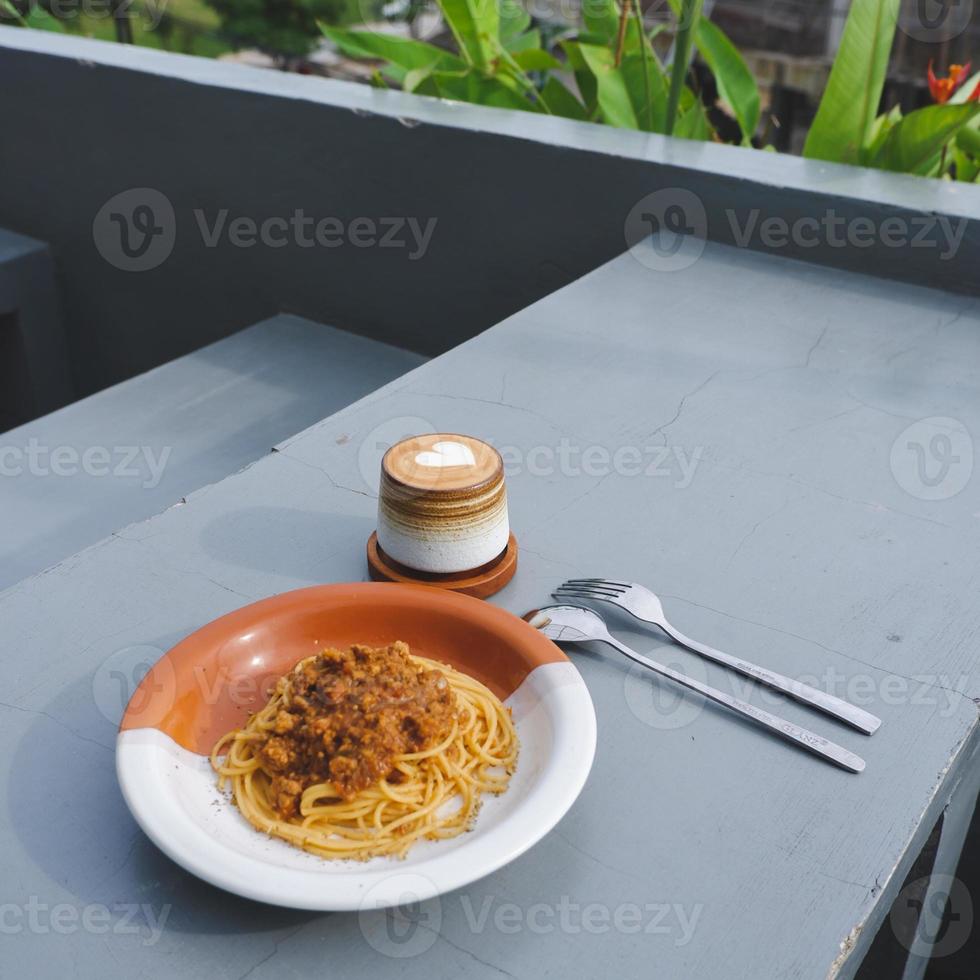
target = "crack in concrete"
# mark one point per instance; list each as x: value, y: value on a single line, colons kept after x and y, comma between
x: 830, y: 493
x: 814, y: 346
x: 829, y: 418
x: 662, y: 429
x: 467, y: 952
x: 330, y: 479
x: 573, y: 502
x: 502, y: 404
x: 755, y: 527
x: 598, y: 861
x: 273, y: 951
x: 45, y: 714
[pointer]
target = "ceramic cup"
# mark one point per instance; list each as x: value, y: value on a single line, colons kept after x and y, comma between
x: 442, y: 505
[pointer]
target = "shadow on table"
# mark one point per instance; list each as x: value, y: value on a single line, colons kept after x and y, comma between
x: 276, y: 540
x: 68, y: 812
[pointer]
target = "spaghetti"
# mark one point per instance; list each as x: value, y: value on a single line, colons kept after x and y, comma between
x: 361, y: 753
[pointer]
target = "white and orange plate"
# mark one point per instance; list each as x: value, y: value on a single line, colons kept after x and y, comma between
x: 210, y: 683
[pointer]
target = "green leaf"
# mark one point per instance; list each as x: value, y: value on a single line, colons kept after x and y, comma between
x: 967, y: 166
x: 602, y: 26
x: 404, y: 52
x: 514, y: 19
x: 965, y: 90
x: 879, y: 131
x: 588, y: 86
x: 602, y: 19
x: 471, y: 86
x: 632, y: 96
x: 560, y: 101
x: 11, y: 11
x: 647, y: 90
x: 36, y: 17
x: 736, y: 84
x: 475, y: 25
x: 536, y: 60
x: 968, y: 140
x: 523, y: 42
x: 914, y: 143
x: 683, y: 43
x: 693, y: 124
x: 41, y: 20
x: 849, y: 105
x: 613, y: 96
x: 416, y: 80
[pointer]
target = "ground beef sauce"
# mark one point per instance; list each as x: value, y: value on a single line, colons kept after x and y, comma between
x: 348, y: 714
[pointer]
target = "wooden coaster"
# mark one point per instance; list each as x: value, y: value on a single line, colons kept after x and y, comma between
x: 480, y: 582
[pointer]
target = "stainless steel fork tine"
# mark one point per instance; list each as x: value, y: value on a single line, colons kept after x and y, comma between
x: 586, y: 593
x: 645, y: 606
x: 597, y: 581
x: 590, y: 587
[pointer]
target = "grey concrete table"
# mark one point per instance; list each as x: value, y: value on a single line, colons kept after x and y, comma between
x: 735, y: 436
x: 177, y: 428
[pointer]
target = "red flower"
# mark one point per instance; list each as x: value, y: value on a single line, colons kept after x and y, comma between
x: 942, y: 88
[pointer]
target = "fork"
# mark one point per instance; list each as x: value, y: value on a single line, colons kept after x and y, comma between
x: 576, y: 624
x: 644, y: 605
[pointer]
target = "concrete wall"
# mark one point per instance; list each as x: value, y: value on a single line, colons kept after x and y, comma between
x: 35, y: 376
x: 522, y: 204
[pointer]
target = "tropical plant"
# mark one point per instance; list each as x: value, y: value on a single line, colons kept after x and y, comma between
x: 620, y: 80
x: 283, y: 29
x: 29, y: 14
x: 938, y: 140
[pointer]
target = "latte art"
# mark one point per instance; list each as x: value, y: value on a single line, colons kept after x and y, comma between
x: 446, y: 454
x: 442, y: 505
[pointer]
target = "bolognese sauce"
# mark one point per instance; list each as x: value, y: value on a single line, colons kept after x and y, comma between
x: 344, y: 717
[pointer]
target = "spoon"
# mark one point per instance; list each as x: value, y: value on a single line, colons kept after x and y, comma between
x: 576, y: 624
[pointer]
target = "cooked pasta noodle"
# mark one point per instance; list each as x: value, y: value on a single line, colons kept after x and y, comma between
x: 429, y: 794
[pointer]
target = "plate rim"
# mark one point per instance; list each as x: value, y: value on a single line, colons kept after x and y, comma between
x: 142, y: 789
